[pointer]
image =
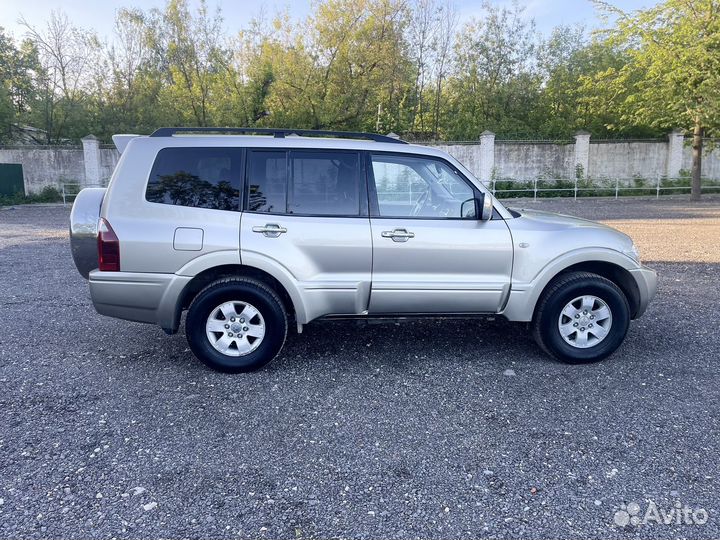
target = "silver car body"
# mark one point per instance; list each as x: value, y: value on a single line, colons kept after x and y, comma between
x: 335, y: 266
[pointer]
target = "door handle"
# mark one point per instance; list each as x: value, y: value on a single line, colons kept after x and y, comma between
x: 271, y: 230
x: 398, y: 235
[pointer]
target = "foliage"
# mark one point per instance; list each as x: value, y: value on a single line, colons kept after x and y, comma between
x: 381, y: 65
x: 566, y: 58
x: 670, y: 76
x: 48, y: 194
x: 19, y: 68
x: 495, y: 84
x: 344, y: 68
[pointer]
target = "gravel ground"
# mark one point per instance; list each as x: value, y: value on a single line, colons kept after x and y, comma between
x: 420, y: 430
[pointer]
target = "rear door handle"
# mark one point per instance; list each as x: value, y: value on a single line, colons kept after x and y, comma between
x: 398, y: 235
x: 271, y: 230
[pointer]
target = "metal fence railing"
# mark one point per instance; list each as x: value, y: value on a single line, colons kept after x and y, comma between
x: 70, y: 190
x: 543, y: 187
x: 536, y: 188
x: 599, y: 188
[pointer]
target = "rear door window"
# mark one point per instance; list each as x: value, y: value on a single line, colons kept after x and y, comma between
x: 267, y: 181
x: 304, y: 182
x: 325, y: 183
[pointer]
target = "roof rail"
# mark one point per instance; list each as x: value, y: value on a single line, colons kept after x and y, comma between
x: 277, y: 133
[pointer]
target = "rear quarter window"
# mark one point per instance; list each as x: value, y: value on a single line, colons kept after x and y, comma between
x: 196, y: 177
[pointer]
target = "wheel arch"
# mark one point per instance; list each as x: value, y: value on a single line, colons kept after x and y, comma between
x: 524, y: 298
x: 615, y: 273
x: 204, y: 278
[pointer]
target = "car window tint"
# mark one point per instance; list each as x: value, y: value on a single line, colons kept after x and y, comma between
x: 418, y: 187
x: 267, y: 181
x: 325, y: 183
x: 198, y: 177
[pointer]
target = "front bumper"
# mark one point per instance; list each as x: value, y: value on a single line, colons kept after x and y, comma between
x: 646, y: 279
x: 142, y: 297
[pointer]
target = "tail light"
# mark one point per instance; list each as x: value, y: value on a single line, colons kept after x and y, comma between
x: 108, y: 248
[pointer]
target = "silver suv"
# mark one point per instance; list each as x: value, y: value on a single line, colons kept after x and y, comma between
x: 255, y: 230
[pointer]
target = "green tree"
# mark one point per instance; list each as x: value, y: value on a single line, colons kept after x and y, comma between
x: 189, y: 54
x: 67, y: 56
x: 18, y: 71
x: 430, y: 31
x: 245, y: 78
x: 129, y: 85
x: 346, y: 67
x: 672, y: 74
x: 494, y: 84
x: 562, y: 58
x: 565, y: 59
x: 8, y: 53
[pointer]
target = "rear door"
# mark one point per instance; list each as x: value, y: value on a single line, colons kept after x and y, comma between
x: 306, y: 217
x: 426, y: 257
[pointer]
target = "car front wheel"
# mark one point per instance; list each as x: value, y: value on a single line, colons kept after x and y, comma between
x: 236, y: 325
x: 581, y: 318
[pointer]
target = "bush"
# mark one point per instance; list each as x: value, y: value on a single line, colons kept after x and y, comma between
x: 49, y: 194
x: 563, y: 188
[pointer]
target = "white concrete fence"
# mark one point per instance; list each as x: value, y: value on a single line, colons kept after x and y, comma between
x: 88, y: 165
x: 608, y: 167
x: 525, y: 160
x: 534, y: 165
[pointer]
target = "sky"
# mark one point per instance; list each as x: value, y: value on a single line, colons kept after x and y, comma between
x: 99, y: 14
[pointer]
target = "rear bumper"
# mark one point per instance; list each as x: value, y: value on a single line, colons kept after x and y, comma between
x: 646, y: 280
x: 141, y: 297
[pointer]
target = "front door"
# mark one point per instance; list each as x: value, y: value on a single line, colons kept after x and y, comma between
x: 306, y: 218
x: 426, y: 257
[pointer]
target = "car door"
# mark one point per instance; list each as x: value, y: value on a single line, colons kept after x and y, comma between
x: 306, y: 218
x: 426, y: 257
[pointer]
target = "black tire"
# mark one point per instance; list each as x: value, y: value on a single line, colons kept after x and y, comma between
x: 263, y: 298
x: 557, y: 295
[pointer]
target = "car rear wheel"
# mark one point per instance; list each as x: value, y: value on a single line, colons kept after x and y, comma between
x: 581, y: 318
x: 236, y: 325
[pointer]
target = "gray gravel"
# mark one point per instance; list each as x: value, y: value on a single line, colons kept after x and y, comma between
x: 424, y: 430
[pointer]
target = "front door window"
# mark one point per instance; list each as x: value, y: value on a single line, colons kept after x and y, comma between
x: 418, y: 187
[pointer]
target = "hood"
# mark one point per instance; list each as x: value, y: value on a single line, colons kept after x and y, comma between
x: 551, y: 220
x: 562, y: 228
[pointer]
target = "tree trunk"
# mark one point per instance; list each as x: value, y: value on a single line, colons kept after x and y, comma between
x: 697, y: 147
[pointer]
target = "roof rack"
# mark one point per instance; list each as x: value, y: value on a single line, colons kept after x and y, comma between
x: 277, y: 133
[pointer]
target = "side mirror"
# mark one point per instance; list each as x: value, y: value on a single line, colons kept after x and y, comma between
x: 469, y: 209
x: 479, y: 208
x: 487, y: 207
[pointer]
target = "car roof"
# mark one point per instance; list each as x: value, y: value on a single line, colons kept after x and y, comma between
x: 269, y: 141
